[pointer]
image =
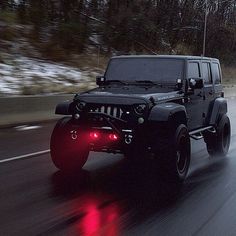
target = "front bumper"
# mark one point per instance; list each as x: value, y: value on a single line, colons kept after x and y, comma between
x: 105, y: 125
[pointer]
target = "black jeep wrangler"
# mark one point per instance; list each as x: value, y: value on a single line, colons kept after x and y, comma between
x: 148, y: 108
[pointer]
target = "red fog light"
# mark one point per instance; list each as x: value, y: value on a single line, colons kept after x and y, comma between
x: 94, y: 135
x: 113, y: 137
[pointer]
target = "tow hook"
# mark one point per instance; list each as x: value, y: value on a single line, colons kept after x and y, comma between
x: 128, y: 138
x: 74, y: 134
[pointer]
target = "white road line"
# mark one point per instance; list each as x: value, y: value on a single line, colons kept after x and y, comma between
x: 27, y: 127
x: 34, y: 154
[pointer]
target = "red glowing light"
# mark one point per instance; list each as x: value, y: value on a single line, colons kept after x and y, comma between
x: 98, y: 221
x: 94, y: 135
x: 113, y: 137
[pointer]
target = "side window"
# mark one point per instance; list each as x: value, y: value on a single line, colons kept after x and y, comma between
x: 206, y: 73
x: 216, y: 73
x: 193, y: 70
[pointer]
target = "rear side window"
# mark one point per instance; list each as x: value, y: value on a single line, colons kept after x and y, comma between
x: 216, y: 73
x: 193, y: 70
x: 206, y: 73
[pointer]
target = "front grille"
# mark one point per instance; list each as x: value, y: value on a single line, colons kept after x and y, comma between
x: 109, y: 110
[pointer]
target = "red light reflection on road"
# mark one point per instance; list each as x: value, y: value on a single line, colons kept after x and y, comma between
x: 91, y: 222
x: 98, y: 220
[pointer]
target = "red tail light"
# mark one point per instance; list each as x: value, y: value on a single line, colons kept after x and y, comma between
x: 94, y: 135
x: 113, y: 137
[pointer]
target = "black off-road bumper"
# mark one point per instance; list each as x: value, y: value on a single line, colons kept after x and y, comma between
x: 108, y: 133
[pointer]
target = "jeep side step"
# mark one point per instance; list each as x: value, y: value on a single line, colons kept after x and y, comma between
x: 197, y: 134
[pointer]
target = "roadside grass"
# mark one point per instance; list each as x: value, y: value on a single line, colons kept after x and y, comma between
x: 43, y: 86
x: 8, y: 17
x: 90, y: 66
x: 90, y: 60
x: 229, y: 75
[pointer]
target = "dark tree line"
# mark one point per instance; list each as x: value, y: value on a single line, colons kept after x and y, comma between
x: 137, y: 26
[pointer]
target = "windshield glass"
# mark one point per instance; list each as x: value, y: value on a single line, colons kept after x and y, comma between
x: 139, y: 69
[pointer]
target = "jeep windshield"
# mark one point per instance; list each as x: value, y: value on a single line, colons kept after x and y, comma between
x: 139, y: 70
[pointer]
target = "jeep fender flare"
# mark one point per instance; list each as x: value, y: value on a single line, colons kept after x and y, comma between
x: 63, y: 108
x: 167, y: 112
x: 217, y: 109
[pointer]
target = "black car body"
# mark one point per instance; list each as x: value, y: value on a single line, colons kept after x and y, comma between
x: 147, y: 105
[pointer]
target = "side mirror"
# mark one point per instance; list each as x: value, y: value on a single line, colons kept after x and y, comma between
x: 196, y: 83
x: 100, y: 80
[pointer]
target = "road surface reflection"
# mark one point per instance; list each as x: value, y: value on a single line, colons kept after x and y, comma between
x: 101, y: 198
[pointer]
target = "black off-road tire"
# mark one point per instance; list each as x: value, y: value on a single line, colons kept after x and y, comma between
x: 218, y: 143
x: 174, y: 154
x: 68, y: 154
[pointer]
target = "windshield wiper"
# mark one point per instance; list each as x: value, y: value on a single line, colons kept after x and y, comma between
x: 147, y: 82
x: 116, y: 81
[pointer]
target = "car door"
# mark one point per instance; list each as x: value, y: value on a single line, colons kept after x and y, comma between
x: 209, y: 92
x: 217, y: 78
x: 194, y: 98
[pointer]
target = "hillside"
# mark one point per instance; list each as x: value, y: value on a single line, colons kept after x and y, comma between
x: 49, y: 46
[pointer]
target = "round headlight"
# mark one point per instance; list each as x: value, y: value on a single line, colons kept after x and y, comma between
x: 139, y: 109
x: 80, y: 106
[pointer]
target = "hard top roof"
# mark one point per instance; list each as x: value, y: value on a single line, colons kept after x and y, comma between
x: 184, y: 57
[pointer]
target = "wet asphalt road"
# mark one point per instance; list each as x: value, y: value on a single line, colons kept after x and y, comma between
x: 110, y: 198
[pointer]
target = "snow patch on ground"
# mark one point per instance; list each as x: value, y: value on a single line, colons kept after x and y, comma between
x: 23, y: 71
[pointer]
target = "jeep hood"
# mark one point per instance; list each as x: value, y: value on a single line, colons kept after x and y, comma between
x: 127, y: 95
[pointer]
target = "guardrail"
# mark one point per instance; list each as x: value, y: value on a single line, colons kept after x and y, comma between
x: 25, y: 109
x: 29, y: 109
x: 230, y: 91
